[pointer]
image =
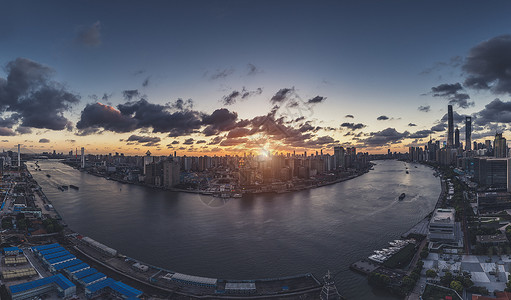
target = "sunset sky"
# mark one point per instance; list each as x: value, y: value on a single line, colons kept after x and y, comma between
x: 217, y: 77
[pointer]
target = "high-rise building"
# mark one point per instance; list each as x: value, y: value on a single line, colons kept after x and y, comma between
x: 82, y: 157
x: 339, y: 157
x: 468, y: 133
x: 500, y: 146
x: 450, y: 127
x: 147, y: 160
x: 456, y: 138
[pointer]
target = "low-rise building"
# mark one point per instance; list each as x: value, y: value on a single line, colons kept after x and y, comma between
x: 492, y: 239
x: 443, y: 230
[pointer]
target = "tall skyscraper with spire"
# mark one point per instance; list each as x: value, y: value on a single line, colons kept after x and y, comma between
x: 468, y: 133
x: 450, y: 127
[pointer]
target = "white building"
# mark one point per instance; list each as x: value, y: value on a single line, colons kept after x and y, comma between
x: 442, y: 225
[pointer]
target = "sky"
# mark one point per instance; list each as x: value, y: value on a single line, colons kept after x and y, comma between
x: 226, y: 77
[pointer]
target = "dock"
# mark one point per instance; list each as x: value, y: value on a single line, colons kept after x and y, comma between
x: 364, y: 266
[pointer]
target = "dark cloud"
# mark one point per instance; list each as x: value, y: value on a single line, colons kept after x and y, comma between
x: 412, y: 124
x: 496, y: 111
x: 130, y: 94
x: 175, y: 142
x: 246, y: 94
x: 306, y: 127
x: 221, y: 74
x: 188, y: 141
x: 252, y: 69
x: 317, y: 99
x: 281, y: 95
x: 231, y: 98
x: 353, y: 126
x: 349, y: 116
x: 446, y: 89
x: 488, y: 65
x: 235, y: 95
x: 456, y: 117
x: 382, y: 118
x: 44, y: 141
x: 160, y: 119
x: 9, y: 121
x: 220, y: 120
x: 424, y: 108
x: 384, y: 137
x: 238, y: 132
x: 23, y: 130
x: 4, y: 131
x: 146, y: 140
x: 439, y: 127
x: 98, y: 115
x: 181, y: 104
x: 200, y: 142
x: 452, y: 93
x: 215, y: 140
x: 453, y: 62
x: 145, y: 83
x: 228, y: 142
x: 33, y: 98
x: 420, y: 134
x: 90, y: 36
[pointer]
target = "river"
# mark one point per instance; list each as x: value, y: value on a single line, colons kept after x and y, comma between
x: 258, y: 236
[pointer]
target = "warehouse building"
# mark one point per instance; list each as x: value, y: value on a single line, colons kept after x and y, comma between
x: 38, y: 249
x: 76, y: 268
x: 64, y: 265
x: 59, y: 283
x: 12, y: 251
x: 110, y: 286
x: 84, y: 273
x: 91, y: 279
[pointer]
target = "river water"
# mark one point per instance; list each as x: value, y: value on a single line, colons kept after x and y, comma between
x: 258, y: 236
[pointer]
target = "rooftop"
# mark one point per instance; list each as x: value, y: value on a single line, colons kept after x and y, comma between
x: 443, y: 215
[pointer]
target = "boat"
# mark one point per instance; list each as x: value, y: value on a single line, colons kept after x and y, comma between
x: 74, y: 187
x: 48, y: 175
x: 402, y: 196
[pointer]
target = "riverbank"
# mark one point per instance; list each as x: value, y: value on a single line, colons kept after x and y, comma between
x: 295, y: 188
x: 397, y: 276
x: 211, y: 237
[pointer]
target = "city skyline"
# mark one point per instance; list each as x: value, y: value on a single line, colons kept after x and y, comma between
x: 226, y: 77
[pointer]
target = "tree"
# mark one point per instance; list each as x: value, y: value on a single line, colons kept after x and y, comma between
x: 377, y: 279
x: 446, y: 279
x: 424, y: 253
x: 431, y: 273
x: 457, y: 286
x: 408, y: 283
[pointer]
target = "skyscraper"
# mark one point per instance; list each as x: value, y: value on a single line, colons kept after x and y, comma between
x: 456, y: 138
x: 500, y: 146
x: 450, y: 127
x: 339, y: 157
x: 468, y: 133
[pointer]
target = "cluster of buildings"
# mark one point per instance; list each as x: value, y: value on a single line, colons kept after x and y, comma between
x: 67, y: 272
x: 246, y: 173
